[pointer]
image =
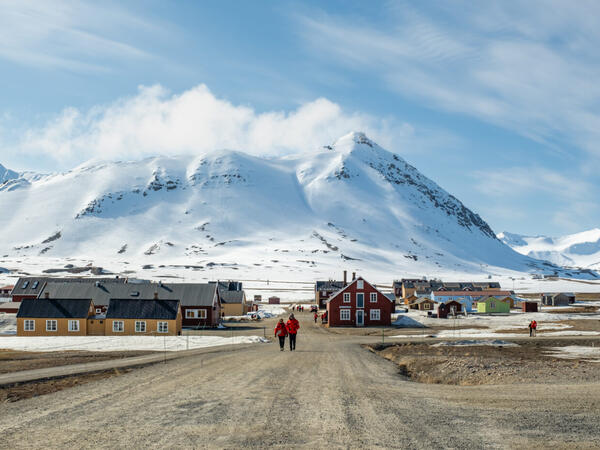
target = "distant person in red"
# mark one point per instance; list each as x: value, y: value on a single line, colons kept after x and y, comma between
x: 281, y: 332
x: 534, y: 326
x: 292, y: 326
x: 316, y: 317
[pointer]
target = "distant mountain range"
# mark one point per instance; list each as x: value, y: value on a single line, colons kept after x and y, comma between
x: 573, y: 250
x: 349, y: 203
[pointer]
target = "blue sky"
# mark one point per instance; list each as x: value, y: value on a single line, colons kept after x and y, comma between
x: 498, y: 102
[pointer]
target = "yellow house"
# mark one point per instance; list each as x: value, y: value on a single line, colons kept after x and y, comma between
x: 54, y: 317
x: 233, y: 303
x: 135, y: 317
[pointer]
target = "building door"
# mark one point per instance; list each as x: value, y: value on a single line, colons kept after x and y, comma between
x: 360, y: 318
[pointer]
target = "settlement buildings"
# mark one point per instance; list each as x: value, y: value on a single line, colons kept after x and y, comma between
x: 54, y: 317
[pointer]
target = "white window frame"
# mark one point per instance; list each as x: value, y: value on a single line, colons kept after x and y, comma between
x: 191, y: 313
x: 29, y: 325
x: 118, y: 326
x: 52, y: 328
x: 346, y: 297
x: 373, y: 297
x: 70, y: 328
x: 139, y: 324
x: 345, y: 314
x: 202, y: 314
x: 360, y: 284
x: 375, y: 314
x: 98, y: 310
x: 162, y: 327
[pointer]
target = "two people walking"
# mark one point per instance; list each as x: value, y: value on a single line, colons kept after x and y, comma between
x: 532, y: 328
x: 282, y: 330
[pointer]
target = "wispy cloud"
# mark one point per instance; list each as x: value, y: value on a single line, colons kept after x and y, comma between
x: 530, y: 67
x: 72, y: 35
x: 156, y: 121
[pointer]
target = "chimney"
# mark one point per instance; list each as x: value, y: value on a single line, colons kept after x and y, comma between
x: 47, y: 294
x: 345, y: 277
x: 155, y: 295
x: 353, y: 276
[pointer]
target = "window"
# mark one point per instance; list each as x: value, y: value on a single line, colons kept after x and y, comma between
x: 373, y: 297
x: 140, y: 326
x: 375, y: 314
x: 190, y: 313
x: 360, y: 284
x: 118, y: 326
x: 427, y: 305
x: 344, y: 314
x: 346, y: 297
x: 202, y: 314
x: 73, y: 325
x: 25, y: 285
x: 51, y: 325
x: 98, y: 310
x: 35, y: 285
x: 492, y: 305
x: 29, y: 325
x: 163, y: 327
x: 360, y: 300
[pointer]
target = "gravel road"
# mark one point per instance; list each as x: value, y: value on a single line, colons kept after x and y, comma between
x: 330, y: 393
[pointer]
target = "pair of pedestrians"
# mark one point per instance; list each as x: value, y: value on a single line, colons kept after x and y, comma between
x: 282, y: 330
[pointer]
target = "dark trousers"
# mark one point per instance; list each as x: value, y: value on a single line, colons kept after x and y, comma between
x: 292, y: 341
x: 281, y: 341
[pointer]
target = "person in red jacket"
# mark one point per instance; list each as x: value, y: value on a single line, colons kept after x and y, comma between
x: 281, y: 332
x: 292, y: 326
x: 534, y: 326
x: 316, y: 317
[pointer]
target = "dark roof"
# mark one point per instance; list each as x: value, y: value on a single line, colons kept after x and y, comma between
x: 189, y: 294
x: 34, y: 285
x: 129, y: 308
x: 230, y: 285
x: 231, y: 296
x: 54, y: 308
x: 329, y: 285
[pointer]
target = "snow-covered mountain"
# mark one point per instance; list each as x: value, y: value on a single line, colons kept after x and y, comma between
x: 573, y: 250
x: 351, y: 204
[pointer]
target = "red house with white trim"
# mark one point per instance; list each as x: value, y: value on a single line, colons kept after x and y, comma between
x: 359, y: 304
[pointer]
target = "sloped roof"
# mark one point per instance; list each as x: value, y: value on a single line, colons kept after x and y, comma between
x: 42, y: 308
x: 335, y: 294
x: 230, y: 297
x: 129, y: 308
x: 189, y: 294
x: 25, y: 286
x: 329, y: 285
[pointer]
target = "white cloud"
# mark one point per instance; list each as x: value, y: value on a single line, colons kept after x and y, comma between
x: 73, y: 35
x: 157, y: 122
x: 531, y: 67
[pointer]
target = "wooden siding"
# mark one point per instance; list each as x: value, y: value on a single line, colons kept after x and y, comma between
x: 40, y: 327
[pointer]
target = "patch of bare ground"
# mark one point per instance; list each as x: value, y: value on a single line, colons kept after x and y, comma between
x: 22, y: 391
x: 15, y: 361
x: 485, y: 364
x: 391, y: 331
x: 575, y: 310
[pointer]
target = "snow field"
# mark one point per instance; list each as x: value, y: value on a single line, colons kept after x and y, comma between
x: 122, y: 343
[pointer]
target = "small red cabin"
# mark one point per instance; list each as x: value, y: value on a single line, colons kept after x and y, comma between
x: 359, y: 304
x: 449, y: 308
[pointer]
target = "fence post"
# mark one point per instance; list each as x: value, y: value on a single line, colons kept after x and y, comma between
x: 187, y: 341
x: 165, y: 342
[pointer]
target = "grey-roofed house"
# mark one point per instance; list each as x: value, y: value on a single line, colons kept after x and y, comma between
x: 139, y: 316
x: 54, y: 317
x: 324, y: 290
x: 31, y: 287
x: 232, y: 298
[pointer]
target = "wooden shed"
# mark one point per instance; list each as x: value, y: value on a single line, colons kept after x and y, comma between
x: 449, y: 308
x: 529, y: 306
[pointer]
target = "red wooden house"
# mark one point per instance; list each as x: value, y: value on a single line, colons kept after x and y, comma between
x: 359, y: 304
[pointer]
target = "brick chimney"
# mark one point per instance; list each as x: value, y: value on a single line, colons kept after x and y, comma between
x: 345, y: 277
x: 353, y: 276
x: 155, y: 295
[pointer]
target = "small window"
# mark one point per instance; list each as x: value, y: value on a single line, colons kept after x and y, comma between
x: 25, y: 284
x: 118, y: 326
x: 35, y: 285
x: 202, y: 314
x: 29, y: 325
x: 51, y: 325
x: 140, y: 326
x: 73, y: 325
x: 373, y: 297
x: 375, y: 314
x: 360, y: 284
x: 163, y: 327
x: 346, y: 297
x: 492, y: 305
x: 360, y: 300
x: 344, y: 314
x: 98, y: 310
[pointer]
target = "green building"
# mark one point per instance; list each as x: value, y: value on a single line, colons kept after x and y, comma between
x: 491, y: 304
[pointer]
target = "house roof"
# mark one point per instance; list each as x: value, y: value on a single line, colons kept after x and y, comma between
x: 473, y: 293
x: 230, y: 297
x: 130, y: 308
x: 335, y: 294
x: 34, y: 285
x: 329, y: 285
x: 189, y: 294
x: 62, y: 308
x: 423, y: 300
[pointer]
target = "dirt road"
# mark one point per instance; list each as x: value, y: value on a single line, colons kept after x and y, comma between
x: 329, y: 393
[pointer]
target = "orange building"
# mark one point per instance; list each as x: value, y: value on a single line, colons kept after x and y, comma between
x: 54, y: 317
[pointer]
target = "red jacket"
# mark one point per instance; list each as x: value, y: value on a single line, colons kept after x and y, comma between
x: 280, y: 330
x: 292, y: 326
x: 534, y: 324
